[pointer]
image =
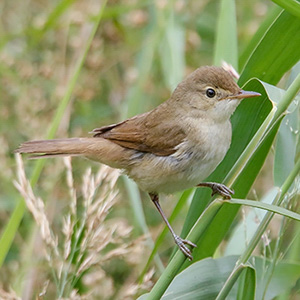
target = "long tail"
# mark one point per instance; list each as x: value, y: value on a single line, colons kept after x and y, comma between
x: 97, y: 149
x: 57, y: 147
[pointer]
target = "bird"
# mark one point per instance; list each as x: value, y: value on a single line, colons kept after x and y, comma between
x: 171, y: 148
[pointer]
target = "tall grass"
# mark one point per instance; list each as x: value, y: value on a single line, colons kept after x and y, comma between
x: 69, y: 66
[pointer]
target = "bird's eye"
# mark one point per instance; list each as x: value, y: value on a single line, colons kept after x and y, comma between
x: 210, y: 93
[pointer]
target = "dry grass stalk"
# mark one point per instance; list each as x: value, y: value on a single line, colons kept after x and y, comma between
x: 70, y: 180
x: 87, y: 234
x: 36, y: 207
x: 97, y: 235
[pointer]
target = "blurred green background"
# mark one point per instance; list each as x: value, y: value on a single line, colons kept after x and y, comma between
x: 141, y: 50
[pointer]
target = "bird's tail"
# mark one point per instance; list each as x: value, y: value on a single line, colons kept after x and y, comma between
x: 93, y: 148
x: 57, y: 147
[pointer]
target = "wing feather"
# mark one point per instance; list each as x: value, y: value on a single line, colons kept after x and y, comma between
x: 146, y: 133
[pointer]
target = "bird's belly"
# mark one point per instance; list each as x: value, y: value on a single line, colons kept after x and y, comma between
x: 184, y: 169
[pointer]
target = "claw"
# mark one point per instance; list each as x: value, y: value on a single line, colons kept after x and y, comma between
x: 219, y: 188
x: 181, y: 243
x: 222, y: 190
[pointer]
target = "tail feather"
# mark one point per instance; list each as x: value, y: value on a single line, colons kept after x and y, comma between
x: 56, y: 147
x: 97, y: 149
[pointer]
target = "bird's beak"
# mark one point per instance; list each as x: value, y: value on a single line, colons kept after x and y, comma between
x: 245, y: 94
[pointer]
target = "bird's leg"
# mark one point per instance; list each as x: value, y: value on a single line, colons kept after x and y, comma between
x: 181, y: 243
x: 218, y: 188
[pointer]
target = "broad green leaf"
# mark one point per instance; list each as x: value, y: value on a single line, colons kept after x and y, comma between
x: 292, y: 6
x: 272, y: 15
x: 205, y: 278
x: 286, y: 141
x: 285, y: 149
x: 202, y: 280
x: 247, y: 284
x: 276, y: 52
x: 226, y: 36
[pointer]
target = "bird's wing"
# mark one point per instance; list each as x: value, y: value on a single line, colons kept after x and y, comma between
x: 146, y: 133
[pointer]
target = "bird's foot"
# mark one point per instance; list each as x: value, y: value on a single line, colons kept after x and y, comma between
x: 182, y: 244
x: 218, y: 188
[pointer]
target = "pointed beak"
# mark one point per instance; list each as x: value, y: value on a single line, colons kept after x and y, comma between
x: 245, y: 94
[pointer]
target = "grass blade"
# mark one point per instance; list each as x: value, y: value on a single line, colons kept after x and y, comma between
x: 291, y: 6
x: 269, y: 207
x: 226, y: 37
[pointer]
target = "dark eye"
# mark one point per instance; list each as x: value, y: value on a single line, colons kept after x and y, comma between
x: 210, y: 93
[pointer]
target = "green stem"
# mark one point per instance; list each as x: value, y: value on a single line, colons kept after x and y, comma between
x: 66, y: 270
x: 233, y: 278
x: 18, y: 213
x: 288, y: 96
x: 259, y: 232
x: 179, y: 258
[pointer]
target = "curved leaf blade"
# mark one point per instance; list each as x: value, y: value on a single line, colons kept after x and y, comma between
x: 269, y: 207
x: 279, y: 48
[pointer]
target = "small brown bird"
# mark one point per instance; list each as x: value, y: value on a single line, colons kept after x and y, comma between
x: 171, y: 148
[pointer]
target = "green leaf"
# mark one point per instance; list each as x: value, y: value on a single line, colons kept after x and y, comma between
x: 247, y: 284
x: 202, y: 280
x: 272, y: 15
x: 226, y: 37
x: 286, y: 141
x: 292, y: 6
x: 269, y: 207
x: 277, y: 51
x: 205, y: 278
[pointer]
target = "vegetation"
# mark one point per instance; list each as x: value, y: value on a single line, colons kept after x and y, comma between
x: 69, y: 66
